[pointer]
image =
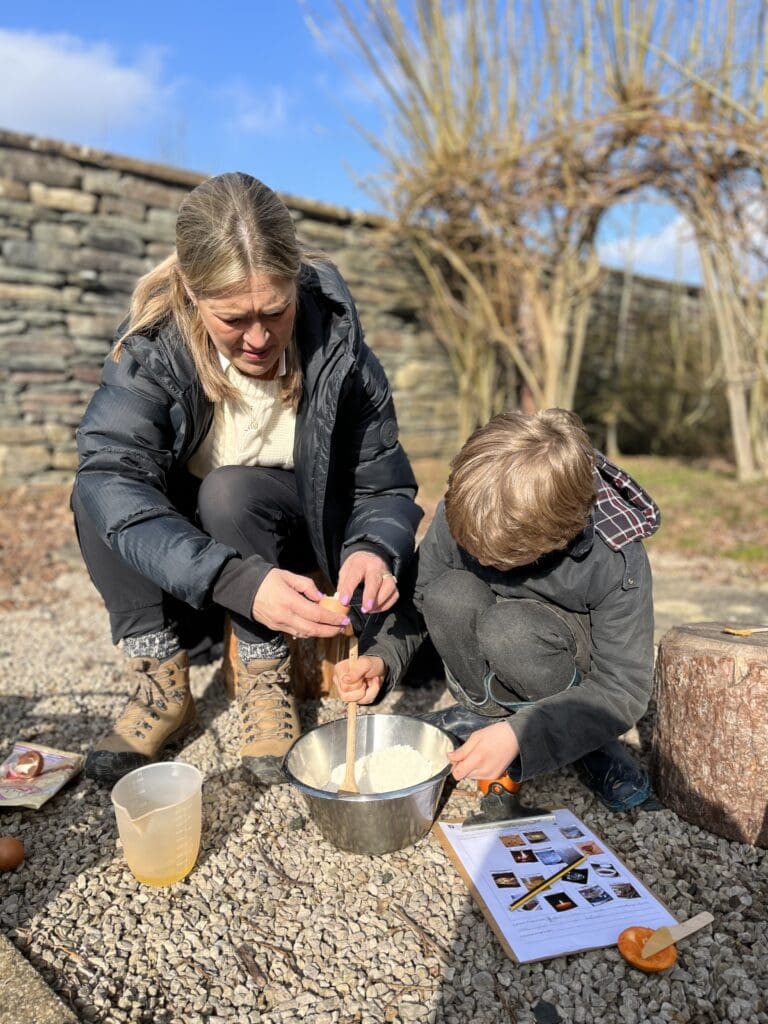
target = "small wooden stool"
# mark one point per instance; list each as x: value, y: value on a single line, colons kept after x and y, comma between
x: 710, y: 742
x: 312, y: 663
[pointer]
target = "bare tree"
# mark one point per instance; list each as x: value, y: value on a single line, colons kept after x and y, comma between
x: 515, y: 126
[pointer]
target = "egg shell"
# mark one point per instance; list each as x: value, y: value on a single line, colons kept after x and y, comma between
x: 333, y: 604
x: 11, y: 853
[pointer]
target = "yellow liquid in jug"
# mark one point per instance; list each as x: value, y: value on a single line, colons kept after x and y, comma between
x: 158, y: 880
x: 166, y: 859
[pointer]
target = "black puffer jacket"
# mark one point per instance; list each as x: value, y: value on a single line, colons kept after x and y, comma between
x: 150, y: 413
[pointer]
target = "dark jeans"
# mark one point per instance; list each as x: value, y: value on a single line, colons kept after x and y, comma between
x: 254, y: 510
x: 501, y: 654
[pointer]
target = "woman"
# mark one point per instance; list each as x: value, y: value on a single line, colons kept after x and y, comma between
x: 242, y: 436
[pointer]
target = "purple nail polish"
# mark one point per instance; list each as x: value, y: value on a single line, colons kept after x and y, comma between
x: 367, y: 606
x: 344, y: 598
x: 345, y: 622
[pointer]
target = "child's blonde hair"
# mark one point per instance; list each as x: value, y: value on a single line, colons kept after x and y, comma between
x: 521, y: 486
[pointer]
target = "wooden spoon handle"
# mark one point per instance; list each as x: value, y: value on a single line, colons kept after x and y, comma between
x: 349, y: 771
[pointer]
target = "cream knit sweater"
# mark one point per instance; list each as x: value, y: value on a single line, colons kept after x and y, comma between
x: 255, y: 429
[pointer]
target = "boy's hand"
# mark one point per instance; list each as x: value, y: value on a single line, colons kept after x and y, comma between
x: 379, y: 584
x: 487, y: 753
x: 360, y: 681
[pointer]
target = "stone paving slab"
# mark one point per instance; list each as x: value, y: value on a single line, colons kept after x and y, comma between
x: 24, y: 996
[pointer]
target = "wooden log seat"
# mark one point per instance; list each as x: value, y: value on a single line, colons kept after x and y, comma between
x: 709, y: 759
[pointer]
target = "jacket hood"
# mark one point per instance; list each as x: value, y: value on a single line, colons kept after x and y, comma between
x: 623, y: 511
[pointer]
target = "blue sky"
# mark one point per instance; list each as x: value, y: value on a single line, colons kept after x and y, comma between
x: 234, y: 85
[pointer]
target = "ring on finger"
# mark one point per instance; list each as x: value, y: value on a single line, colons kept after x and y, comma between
x: 387, y: 575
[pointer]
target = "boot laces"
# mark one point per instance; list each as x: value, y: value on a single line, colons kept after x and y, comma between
x: 149, y: 698
x: 266, y: 708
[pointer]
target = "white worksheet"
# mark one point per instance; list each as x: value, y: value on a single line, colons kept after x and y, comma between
x: 595, y: 898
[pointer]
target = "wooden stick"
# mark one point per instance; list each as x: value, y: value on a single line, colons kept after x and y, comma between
x: 545, y: 884
x: 664, y: 937
x: 350, y: 785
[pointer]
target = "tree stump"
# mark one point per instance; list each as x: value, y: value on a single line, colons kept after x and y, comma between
x: 709, y: 757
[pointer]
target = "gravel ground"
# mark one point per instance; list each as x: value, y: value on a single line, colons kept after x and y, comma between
x: 275, y: 924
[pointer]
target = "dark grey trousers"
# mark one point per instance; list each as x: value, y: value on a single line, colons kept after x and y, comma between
x: 254, y: 510
x: 500, y: 653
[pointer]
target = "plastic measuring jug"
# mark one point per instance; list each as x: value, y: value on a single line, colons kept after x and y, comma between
x: 159, y: 816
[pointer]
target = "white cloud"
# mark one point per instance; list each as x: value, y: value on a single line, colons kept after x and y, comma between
x: 668, y: 253
x: 264, y: 114
x: 62, y: 86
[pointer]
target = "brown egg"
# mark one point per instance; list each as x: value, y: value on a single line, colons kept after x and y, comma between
x: 333, y: 604
x: 11, y: 853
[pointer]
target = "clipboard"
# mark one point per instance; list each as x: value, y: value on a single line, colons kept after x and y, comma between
x: 564, y: 914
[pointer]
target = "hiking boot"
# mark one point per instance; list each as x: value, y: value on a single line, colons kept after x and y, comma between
x: 160, y: 711
x: 269, y: 716
x: 616, y: 778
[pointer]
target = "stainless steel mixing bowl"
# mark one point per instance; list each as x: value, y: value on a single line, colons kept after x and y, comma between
x: 369, y: 822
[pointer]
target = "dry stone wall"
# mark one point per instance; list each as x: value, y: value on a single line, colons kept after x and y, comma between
x: 78, y: 227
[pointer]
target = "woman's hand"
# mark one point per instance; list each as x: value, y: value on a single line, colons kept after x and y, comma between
x: 487, y: 753
x: 360, y: 680
x: 287, y: 603
x: 379, y: 584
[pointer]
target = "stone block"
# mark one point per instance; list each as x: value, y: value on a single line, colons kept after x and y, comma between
x: 149, y: 231
x: 10, y: 189
x: 132, y: 208
x: 114, y: 282
x: 157, y: 251
x: 23, y: 165
x: 24, y: 275
x: 36, y: 377
x: 38, y: 255
x: 62, y: 458
x: 153, y: 193
x: 165, y: 218
x: 96, y: 325
x: 8, y: 232
x: 12, y: 327
x: 104, y: 259
x: 22, y: 433
x: 88, y: 374
x: 56, y: 433
x: 102, y: 182
x: 101, y: 235
x: 93, y: 347
x: 62, y: 198
x: 38, y: 295
x: 16, y: 213
x: 23, y: 459
x: 55, y: 233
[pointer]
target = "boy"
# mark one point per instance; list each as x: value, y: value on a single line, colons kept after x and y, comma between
x: 536, y: 591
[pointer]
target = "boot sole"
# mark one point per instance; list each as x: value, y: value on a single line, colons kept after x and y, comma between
x: 106, y: 767
x: 267, y: 769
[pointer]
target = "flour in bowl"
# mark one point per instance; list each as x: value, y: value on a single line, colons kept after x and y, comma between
x: 383, y: 771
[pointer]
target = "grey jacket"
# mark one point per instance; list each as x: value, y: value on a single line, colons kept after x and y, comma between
x: 605, y: 574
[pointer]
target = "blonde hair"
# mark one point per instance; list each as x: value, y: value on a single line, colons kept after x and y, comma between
x: 521, y: 486
x: 227, y: 228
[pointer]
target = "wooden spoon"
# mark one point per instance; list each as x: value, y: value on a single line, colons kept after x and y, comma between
x: 349, y: 785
